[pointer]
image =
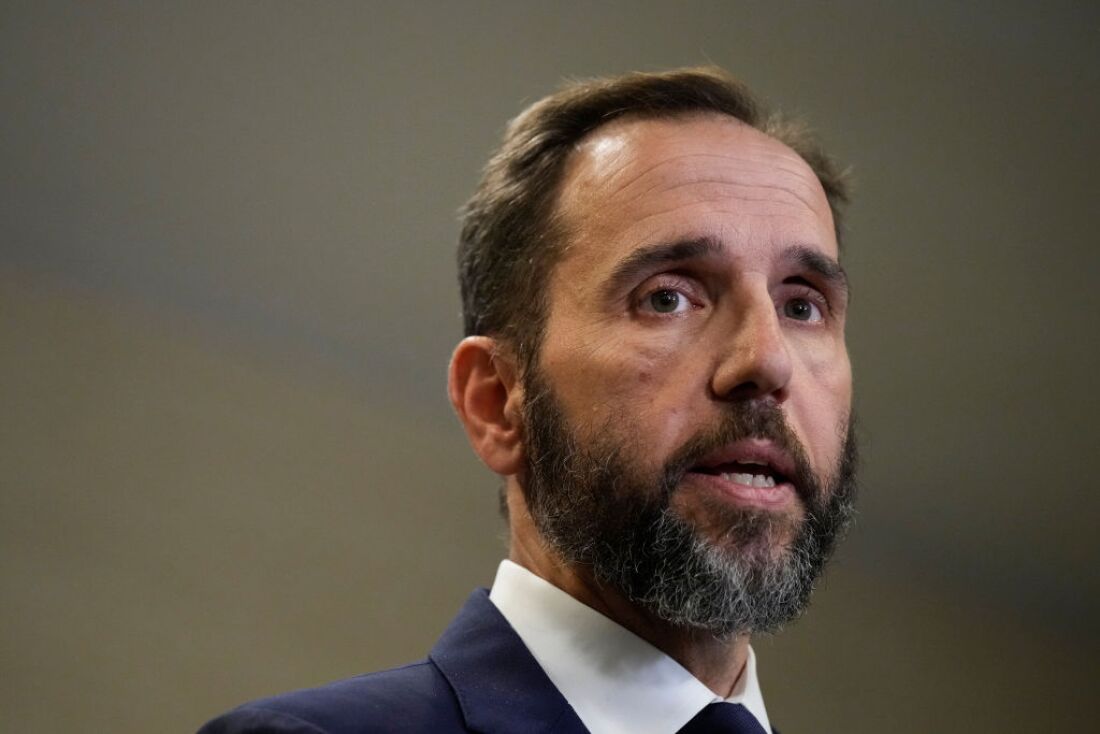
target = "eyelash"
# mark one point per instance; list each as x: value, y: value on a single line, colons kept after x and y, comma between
x: 688, y: 291
x: 675, y: 285
x: 810, y: 294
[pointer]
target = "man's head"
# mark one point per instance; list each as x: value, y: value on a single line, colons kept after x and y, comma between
x: 511, y: 235
x: 658, y: 363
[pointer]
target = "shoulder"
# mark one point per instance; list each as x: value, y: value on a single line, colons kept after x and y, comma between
x: 412, y: 698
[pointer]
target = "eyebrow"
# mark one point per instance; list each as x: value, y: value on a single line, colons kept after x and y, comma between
x: 825, y: 267
x: 645, y: 259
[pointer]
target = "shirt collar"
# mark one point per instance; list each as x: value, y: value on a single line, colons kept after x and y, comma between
x: 615, y: 681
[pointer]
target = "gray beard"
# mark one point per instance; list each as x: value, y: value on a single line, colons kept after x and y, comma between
x: 593, y: 507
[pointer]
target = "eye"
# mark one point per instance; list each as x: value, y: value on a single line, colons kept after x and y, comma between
x: 667, y: 300
x: 802, y: 309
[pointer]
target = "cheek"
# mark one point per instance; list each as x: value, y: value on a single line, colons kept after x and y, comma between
x: 825, y: 363
x: 607, y: 356
x: 632, y: 387
x: 824, y: 400
x: 658, y: 390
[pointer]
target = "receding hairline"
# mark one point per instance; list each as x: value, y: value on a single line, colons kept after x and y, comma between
x: 678, y: 118
x: 575, y: 157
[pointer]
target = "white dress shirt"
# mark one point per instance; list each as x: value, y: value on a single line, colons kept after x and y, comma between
x: 616, y: 682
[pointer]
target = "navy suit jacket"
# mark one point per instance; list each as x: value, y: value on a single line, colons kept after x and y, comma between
x: 478, y: 677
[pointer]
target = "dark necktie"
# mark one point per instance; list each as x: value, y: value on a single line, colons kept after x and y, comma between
x: 723, y: 718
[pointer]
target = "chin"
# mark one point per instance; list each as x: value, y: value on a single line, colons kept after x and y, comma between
x: 749, y: 532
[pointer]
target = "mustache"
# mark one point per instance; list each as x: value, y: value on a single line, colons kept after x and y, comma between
x: 744, y: 421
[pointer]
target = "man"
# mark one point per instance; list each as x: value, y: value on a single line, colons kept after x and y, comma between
x: 655, y: 363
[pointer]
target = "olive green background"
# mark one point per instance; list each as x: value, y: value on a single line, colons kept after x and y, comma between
x: 227, y: 300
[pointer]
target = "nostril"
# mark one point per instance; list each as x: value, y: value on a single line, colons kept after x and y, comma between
x: 753, y: 390
x: 759, y: 371
x: 745, y: 391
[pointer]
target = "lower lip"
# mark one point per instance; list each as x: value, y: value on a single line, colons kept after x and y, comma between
x: 769, y: 498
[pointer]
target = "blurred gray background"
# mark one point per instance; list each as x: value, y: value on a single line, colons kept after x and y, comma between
x: 227, y: 301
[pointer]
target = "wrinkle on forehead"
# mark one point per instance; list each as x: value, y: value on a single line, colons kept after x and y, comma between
x: 757, y: 160
x: 712, y: 190
x: 633, y: 159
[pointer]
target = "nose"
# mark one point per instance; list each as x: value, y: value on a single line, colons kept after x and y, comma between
x: 755, y: 361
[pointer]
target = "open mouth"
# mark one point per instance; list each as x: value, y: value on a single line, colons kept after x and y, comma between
x: 747, y: 473
x: 751, y: 472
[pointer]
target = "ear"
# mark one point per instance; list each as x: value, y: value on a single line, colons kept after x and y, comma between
x: 486, y: 394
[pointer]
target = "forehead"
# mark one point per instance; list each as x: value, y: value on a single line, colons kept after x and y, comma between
x: 639, y: 181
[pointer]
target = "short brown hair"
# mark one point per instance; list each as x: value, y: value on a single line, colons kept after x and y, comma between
x: 511, y: 238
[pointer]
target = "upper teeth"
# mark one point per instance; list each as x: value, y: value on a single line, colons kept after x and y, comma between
x: 750, y: 480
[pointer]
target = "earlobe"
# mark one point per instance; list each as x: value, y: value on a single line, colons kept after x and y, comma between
x: 485, y: 392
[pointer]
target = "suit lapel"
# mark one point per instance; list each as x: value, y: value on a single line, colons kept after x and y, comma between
x: 499, y: 685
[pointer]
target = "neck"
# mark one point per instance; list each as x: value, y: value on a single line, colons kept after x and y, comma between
x: 717, y: 663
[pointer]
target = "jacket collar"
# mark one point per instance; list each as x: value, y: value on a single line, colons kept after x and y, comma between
x: 499, y: 685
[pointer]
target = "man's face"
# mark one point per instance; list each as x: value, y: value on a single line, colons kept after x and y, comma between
x: 688, y: 430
